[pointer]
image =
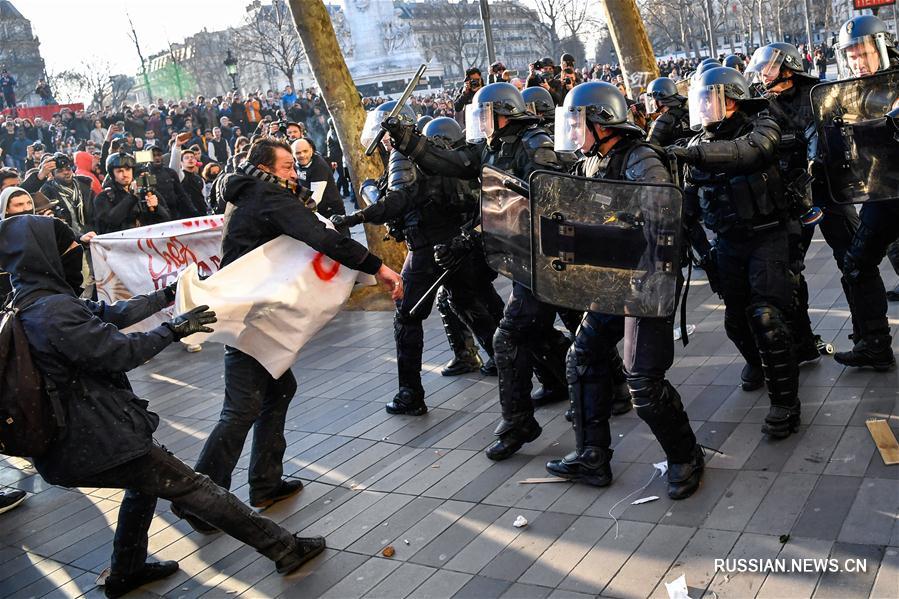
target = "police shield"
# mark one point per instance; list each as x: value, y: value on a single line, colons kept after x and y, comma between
x: 858, y: 143
x: 506, y: 224
x: 606, y: 246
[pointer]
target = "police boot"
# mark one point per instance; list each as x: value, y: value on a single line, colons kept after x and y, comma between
x: 873, y: 351
x: 589, y: 463
x: 893, y: 294
x: 465, y: 354
x: 512, y: 437
x: 779, y: 365
x: 684, y: 479
x: 410, y: 402
x: 544, y: 395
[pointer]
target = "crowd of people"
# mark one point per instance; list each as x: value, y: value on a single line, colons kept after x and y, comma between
x: 753, y: 188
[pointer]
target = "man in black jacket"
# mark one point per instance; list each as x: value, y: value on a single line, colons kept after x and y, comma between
x: 116, y: 208
x: 107, y: 440
x: 168, y: 186
x: 72, y: 194
x: 262, y: 204
x: 316, y: 174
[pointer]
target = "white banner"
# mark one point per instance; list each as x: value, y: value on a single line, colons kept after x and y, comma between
x: 146, y: 259
x: 269, y: 302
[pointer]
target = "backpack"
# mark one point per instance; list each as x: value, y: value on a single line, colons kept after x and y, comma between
x: 30, y: 411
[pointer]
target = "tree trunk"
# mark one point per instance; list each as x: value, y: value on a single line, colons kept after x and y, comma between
x: 325, y: 58
x: 632, y: 45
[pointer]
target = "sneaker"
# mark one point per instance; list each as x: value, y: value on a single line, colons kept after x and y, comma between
x: 117, y: 586
x: 807, y: 353
x: 306, y: 549
x: 752, y: 377
x: 874, y: 352
x: 11, y: 500
x: 287, y: 489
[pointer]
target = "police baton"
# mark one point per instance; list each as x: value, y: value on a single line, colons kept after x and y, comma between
x: 466, y: 229
x: 413, y: 83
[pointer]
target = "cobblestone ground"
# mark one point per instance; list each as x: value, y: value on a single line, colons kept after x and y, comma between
x: 424, y: 486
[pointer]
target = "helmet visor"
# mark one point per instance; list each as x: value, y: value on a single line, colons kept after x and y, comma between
x: 478, y: 122
x: 371, y: 127
x: 865, y: 56
x: 570, y: 128
x: 707, y: 106
x: 765, y: 66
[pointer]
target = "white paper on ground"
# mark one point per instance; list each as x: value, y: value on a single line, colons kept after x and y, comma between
x: 520, y: 522
x: 677, y: 589
x: 662, y: 467
x: 271, y: 301
x: 644, y: 500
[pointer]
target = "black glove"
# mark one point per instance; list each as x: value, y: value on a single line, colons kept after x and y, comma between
x: 191, y: 322
x: 449, y: 256
x: 347, y: 220
x: 169, y: 291
x: 403, y: 135
x: 690, y: 155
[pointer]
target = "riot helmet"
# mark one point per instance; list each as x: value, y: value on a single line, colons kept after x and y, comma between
x: 662, y: 91
x: 422, y: 121
x: 734, y: 62
x: 708, y: 95
x: 589, y: 104
x: 540, y: 102
x: 376, y: 116
x: 119, y: 160
x: 444, y: 129
x: 499, y: 98
x: 864, y: 47
x: 768, y: 61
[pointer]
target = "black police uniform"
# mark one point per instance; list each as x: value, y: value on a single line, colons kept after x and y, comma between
x: 526, y: 339
x: 648, y: 351
x: 430, y: 209
x: 671, y: 127
x: 734, y: 181
x: 792, y: 110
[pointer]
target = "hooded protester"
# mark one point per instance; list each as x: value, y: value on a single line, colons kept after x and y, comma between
x: 84, y: 167
x: 107, y: 440
x: 13, y: 201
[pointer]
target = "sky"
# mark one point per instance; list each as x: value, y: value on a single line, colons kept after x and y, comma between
x: 75, y: 31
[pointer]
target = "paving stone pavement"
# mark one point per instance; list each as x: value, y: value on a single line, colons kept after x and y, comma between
x: 424, y: 486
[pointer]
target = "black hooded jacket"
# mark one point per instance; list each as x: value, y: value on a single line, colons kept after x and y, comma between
x: 77, y: 345
x: 258, y: 212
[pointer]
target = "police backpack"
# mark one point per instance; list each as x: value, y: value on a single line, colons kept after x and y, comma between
x: 30, y: 412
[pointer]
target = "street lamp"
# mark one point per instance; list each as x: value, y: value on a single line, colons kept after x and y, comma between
x: 231, y: 66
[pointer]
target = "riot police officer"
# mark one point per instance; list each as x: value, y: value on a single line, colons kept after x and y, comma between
x: 540, y: 102
x: 865, y: 47
x: 734, y: 62
x: 673, y: 121
x: 429, y: 210
x: 733, y: 179
x: 596, y: 112
x: 505, y: 135
x: 777, y: 69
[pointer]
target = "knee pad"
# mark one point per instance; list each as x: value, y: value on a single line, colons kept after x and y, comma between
x: 505, y: 346
x: 651, y: 396
x: 769, y: 326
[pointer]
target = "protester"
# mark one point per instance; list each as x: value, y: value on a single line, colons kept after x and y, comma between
x: 315, y: 173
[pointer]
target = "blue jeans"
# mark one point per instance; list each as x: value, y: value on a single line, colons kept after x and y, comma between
x: 253, y: 399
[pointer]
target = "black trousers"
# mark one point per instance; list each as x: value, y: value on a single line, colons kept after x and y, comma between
x: 861, y: 275
x: 527, y: 341
x: 470, y: 290
x: 160, y: 474
x: 253, y: 399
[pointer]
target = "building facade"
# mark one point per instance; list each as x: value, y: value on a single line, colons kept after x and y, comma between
x: 20, y: 52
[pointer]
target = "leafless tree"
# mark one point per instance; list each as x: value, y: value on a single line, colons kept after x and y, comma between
x: 269, y: 39
x: 452, y: 33
x: 565, y: 19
